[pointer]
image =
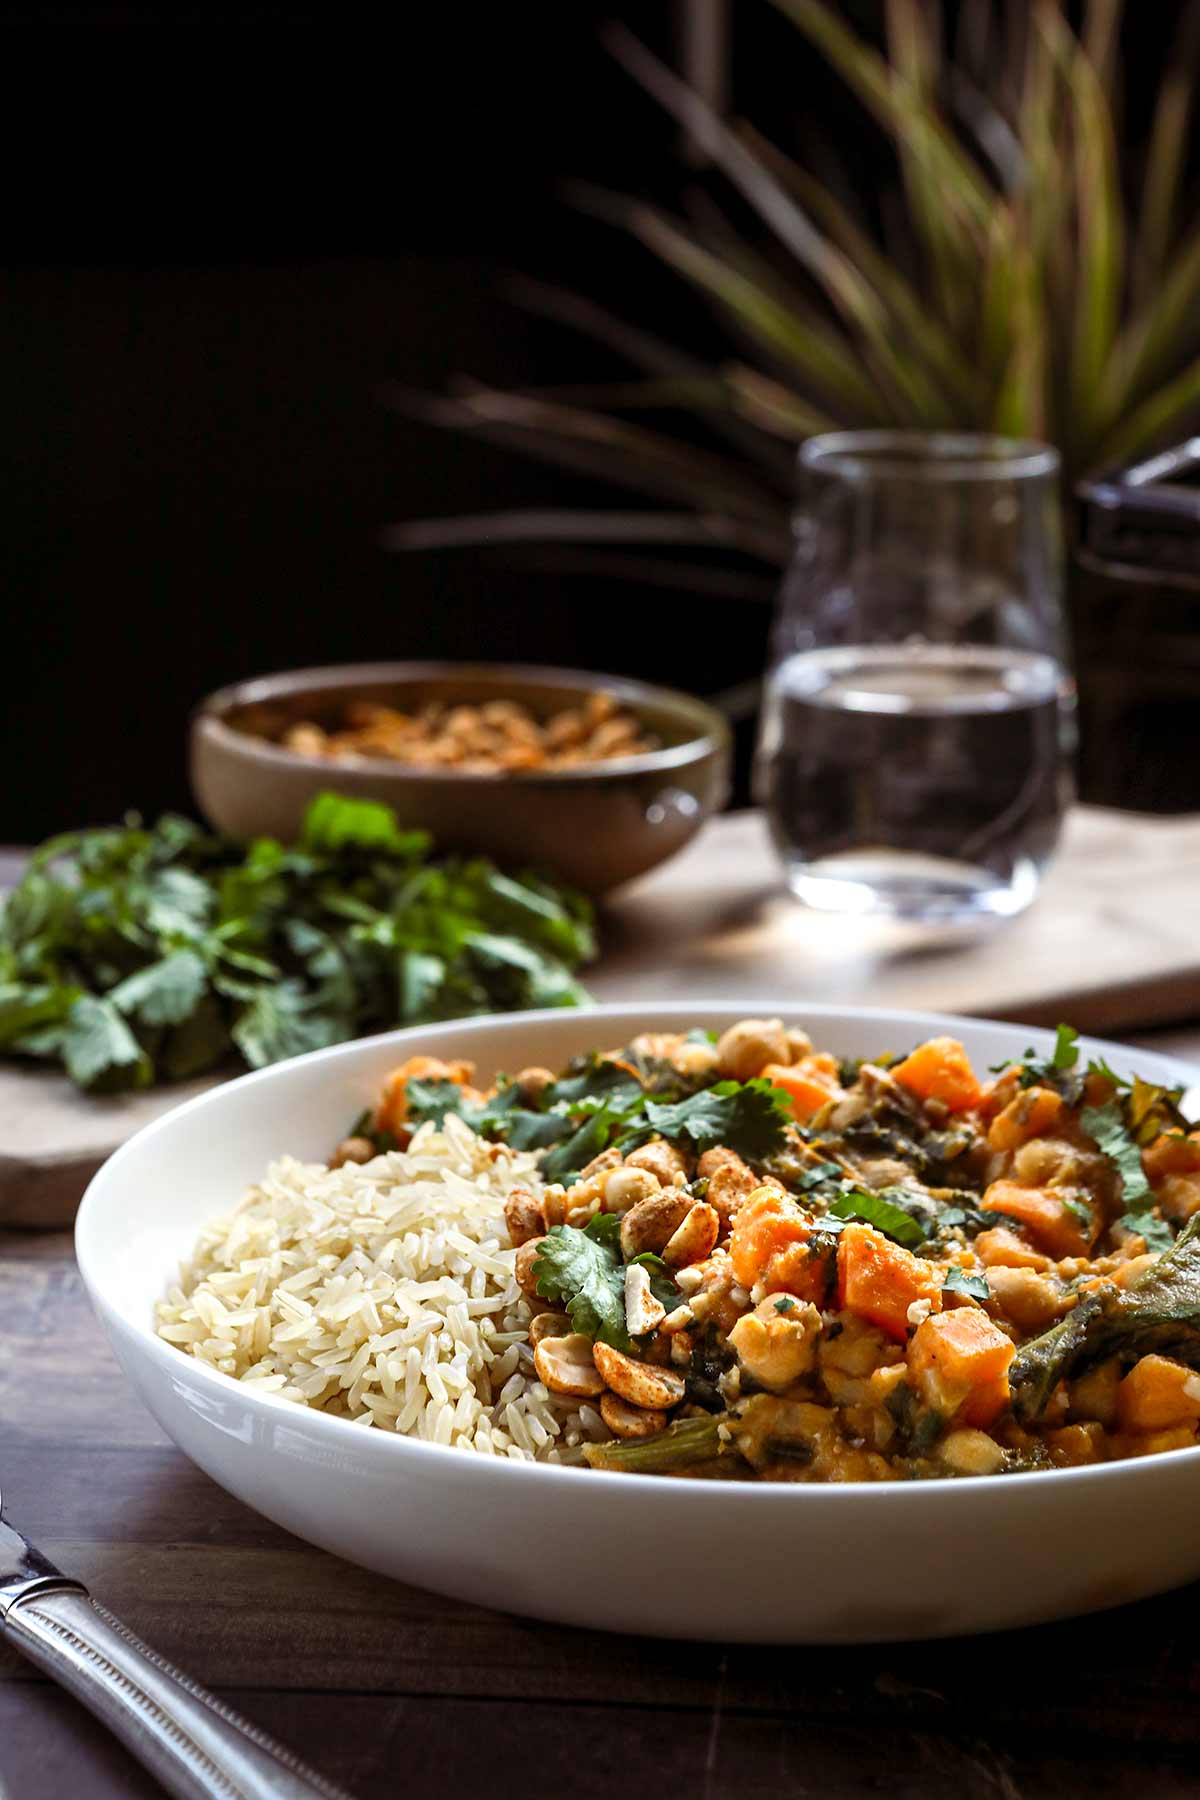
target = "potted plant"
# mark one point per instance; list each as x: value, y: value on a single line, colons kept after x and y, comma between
x: 1047, y: 288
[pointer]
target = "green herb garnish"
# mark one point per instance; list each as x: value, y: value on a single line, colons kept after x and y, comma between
x: 873, y: 1209
x: 583, y: 1270
x: 132, y: 955
x: 962, y: 1281
x: 750, y: 1117
x: 1148, y: 1225
x: 1107, y: 1125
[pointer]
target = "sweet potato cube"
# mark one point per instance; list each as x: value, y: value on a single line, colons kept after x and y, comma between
x: 1030, y: 1114
x: 808, y: 1085
x: 767, y: 1226
x: 1045, y: 1216
x: 1157, y: 1394
x: 940, y: 1070
x: 1171, y: 1154
x: 959, y: 1361
x: 880, y: 1280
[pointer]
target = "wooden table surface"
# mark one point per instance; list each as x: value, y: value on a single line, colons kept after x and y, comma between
x: 392, y: 1691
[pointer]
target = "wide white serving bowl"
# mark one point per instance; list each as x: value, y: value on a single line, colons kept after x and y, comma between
x: 745, y: 1563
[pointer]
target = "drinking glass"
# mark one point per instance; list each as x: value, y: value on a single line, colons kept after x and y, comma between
x: 914, y: 757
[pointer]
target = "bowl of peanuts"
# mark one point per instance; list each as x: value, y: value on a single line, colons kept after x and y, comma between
x: 596, y: 777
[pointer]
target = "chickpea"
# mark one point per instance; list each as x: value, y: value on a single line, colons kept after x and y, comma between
x: 1029, y: 1300
x: 970, y: 1452
x: 352, y: 1150
x: 533, y: 1081
x: 749, y: 1045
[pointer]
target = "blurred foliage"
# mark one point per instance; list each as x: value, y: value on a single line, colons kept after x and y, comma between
x: 1028, y: 281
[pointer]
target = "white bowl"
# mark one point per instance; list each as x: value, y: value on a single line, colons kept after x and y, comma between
x: 748, y: 1563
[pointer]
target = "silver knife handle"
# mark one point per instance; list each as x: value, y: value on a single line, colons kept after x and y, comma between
x: 197, y: 1747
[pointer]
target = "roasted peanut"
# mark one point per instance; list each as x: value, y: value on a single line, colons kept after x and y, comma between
x: 599, y: 1165
x: 659, y: 1158
x: 523, y: 1217
x: 548, y: 1324
x: 692, y: 1241
x: 652, y: 1223
x: 526, y: 1256
x: 642, y: 1311
x: 642, y: 1384
x: 626, y: 1421
x: 566, y: 1366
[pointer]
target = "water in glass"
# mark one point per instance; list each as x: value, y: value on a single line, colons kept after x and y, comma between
x: 921, y: 779
x: 914, y: 754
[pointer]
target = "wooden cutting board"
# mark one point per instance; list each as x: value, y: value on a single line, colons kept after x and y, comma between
x: 1110, y: 945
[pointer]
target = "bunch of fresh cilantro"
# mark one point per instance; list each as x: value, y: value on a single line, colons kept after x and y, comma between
x: 133, y: 955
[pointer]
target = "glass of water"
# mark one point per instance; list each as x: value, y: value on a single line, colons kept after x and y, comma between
x: 915, y: 752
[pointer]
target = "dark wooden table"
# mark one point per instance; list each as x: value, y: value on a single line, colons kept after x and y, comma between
x: 392, y: 1691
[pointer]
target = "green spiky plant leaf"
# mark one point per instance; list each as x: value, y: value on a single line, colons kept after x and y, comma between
x: 1048, y: 288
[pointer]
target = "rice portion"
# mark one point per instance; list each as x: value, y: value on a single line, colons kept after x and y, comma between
x: 382, y: 1292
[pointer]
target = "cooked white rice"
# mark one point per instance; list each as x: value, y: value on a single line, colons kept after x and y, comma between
x: 382, y: 1292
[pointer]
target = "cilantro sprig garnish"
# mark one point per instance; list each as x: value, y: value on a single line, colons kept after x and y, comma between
x: 884, y: 1214
x: 966, y: 1281
x: 750, y: 1117
x: 583, y: 1270
x: 1058, y: 1070
x: 131, y: 955
x: 1107, y: 1125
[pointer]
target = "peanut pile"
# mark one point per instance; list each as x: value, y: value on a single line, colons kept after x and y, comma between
x: 499, y: 737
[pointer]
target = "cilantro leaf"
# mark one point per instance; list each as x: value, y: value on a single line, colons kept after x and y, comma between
x: 1107, y: 1125
x: 96, y: 1043
x: 892, y: 1220
x: 1056, y: 1070
x: 281, y: 1021
x: 1148, y: 1225
x: 25, y: 1007
x: 336, y: 822
x: 962, y: 1281
x: 563, y: 1161
x: 597, y: 1079
x: 750, y: 1117
x: 164, y: 992
x: 817, y: 1175
x: 583, y: 1270
x: 431, y: 1098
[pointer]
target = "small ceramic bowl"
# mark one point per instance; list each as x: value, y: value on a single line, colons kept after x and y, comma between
x: 597, y: 826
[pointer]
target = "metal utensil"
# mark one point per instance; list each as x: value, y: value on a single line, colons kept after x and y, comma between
x: 194, y: 1744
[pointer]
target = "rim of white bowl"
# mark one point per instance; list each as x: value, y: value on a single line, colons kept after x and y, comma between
x: 169, y: 1357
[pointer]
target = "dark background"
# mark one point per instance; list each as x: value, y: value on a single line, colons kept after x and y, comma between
x: 224, y: 233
